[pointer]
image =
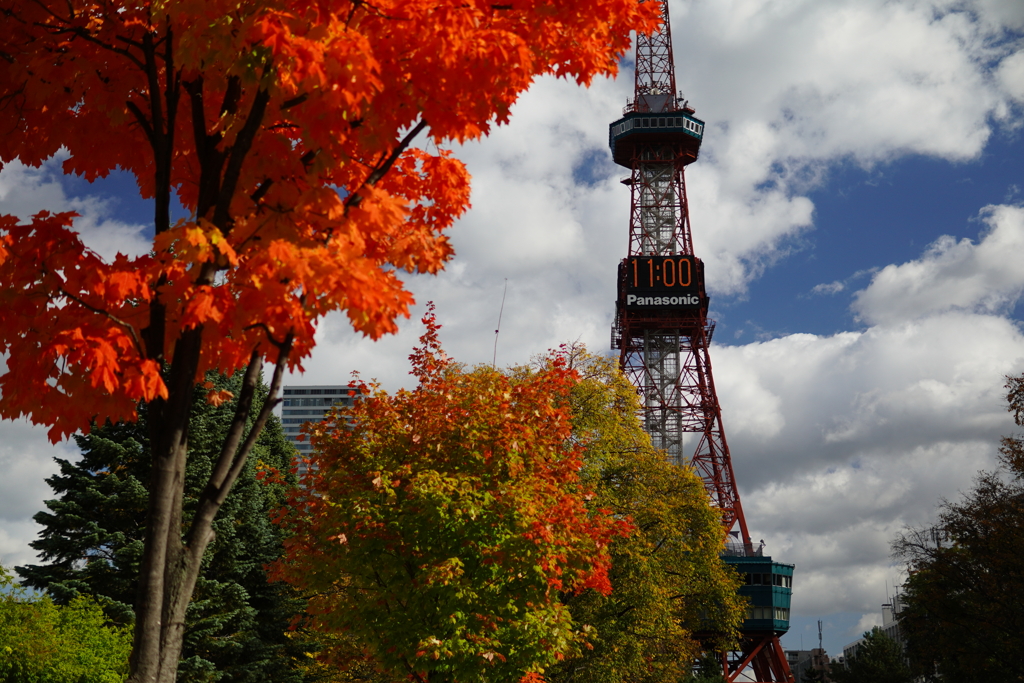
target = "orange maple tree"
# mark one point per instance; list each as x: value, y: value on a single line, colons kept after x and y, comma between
x: 284, y: 127
x: 439, y: 528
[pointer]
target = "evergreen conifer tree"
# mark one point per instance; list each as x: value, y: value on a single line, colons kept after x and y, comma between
x: 92, y: 539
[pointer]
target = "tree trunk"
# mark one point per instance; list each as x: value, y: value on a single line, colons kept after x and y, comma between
x: 164, y: 557
x: 172, y: 556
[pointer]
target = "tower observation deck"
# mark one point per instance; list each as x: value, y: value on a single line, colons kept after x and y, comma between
x: 663, y: 334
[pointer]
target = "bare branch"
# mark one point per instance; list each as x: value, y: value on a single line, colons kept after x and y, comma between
x: 294, y: 102
x: 261, y: 191
x: 234, y: 435
x: 141, y: 118
x: 266, y: 330
x: 232, y: 95
x: 382, y: 170
x: 84, y: 35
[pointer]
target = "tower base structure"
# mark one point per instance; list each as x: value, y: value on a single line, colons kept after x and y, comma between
x: 763, y: 655
x: 768, y: 586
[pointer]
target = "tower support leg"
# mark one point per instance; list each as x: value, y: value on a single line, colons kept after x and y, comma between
x: 763, y: 655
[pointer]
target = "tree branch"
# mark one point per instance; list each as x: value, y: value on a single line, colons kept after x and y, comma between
x: 81, y: 32
x: 261, y: 191
x: 141, y: 118
x: 232, y: 457
x: 294, y: 102
x: 243, y: 405
x: 211, y: 159
x: 380, y: 171
x: 239, y: 150
x: 121, y: 323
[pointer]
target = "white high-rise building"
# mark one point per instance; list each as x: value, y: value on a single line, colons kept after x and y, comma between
x: 310, y: 403
x: 890, y: 627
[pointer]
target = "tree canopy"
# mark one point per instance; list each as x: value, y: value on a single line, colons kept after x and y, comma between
x: 439, y: 525
x: 284, y: 127
x: 669, y: 583
x: 965, y: 593
x: 879, y: 659
x: 41, y: 642
x: 485, y: 525
x: 92, y: 538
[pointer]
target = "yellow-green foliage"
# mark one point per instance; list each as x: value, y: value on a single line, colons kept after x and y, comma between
x: 41, y: 642
x: 667, y: 577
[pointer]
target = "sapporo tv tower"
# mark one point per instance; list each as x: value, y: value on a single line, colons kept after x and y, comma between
x: 662, y: 332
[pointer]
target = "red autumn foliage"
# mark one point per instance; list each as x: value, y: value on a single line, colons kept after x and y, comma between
x: 438, y: 526
x: 284, y: 127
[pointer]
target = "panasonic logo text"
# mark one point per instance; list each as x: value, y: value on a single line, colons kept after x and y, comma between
x: 634, y: 300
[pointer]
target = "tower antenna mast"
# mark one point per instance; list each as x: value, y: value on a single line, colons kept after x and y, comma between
x: 663, y: 333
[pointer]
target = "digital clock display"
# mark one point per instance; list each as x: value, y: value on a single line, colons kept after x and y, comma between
x: 648, y: 282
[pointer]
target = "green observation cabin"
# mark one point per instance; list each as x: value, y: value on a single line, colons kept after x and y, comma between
x: 678, y: 130
x: 767, y: 585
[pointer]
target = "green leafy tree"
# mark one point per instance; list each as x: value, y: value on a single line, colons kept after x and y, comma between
x: 440, y: 529
x: 964, y: 596
x: 41, y: 642
x: 879, y: 659
x: 668, y: 580
x: 92, y: 541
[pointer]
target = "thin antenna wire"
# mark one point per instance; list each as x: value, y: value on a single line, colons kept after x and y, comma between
x: 494, y: 361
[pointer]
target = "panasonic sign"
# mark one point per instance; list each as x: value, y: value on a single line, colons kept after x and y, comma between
x: 634, y: 300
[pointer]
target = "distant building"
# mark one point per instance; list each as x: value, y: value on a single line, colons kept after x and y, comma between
x: 890, y: 627
x: 802, y: 662
x: 310, y: 403
x: 890, y: 619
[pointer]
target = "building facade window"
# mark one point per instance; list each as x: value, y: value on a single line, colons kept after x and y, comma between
x: 297, y: 409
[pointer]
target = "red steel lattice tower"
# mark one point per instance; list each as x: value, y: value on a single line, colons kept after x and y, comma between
x: 663, y: 333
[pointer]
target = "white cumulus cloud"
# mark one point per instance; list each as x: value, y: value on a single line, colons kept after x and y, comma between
x: 24, y: 191
x: 953, y: 275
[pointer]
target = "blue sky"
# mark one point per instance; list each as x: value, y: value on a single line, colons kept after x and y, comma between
x: 858, y: 206
x: 863, y: 221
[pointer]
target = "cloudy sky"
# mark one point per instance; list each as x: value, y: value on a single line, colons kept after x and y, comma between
x: 858, y: 203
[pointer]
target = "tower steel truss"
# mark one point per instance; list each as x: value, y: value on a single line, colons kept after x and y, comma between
x: 661, y: 328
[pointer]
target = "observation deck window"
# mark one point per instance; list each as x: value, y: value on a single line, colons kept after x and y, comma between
x: 667, y: 122
x: 758, y: 579
x: 780, y: 613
